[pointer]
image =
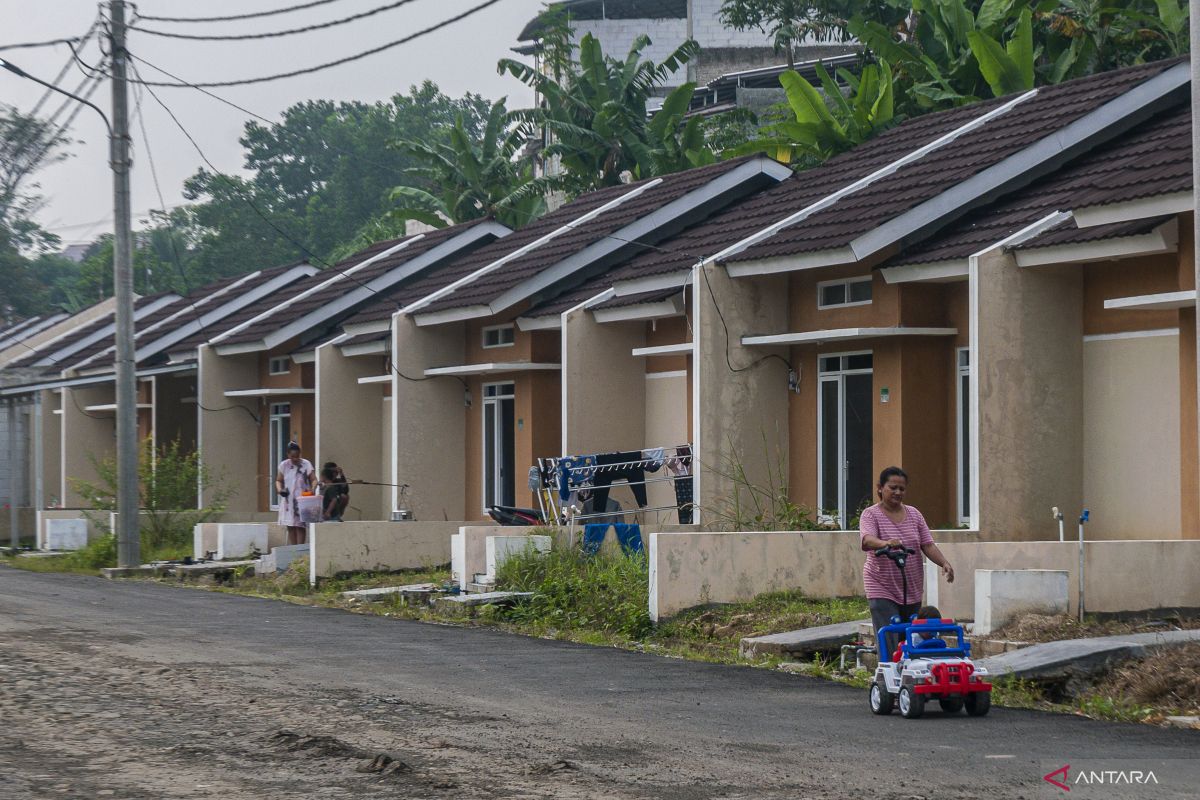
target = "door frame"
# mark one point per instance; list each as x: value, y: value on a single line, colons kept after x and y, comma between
x: 836, y: 377
x: 274, y: 448
x: 496, y: 400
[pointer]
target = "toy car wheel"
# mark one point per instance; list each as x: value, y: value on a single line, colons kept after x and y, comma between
x: 979, y: 703
x: 951, y: 705
x: 912, y: 705
x: 881, y: 700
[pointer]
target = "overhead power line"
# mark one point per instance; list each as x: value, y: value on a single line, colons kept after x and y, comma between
x: 320, y: 67
x: 24, y: 45
x: 251, y: 15
x: 272, y: 34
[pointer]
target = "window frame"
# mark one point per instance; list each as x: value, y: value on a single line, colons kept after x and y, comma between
x: 489, y: 402
x: 962, y: 443
x: 837, y: 376
x: 274, y: 360
x: 483, y: 336
x: 822, y: 285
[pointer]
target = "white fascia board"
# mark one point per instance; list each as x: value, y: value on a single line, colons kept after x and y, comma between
x: 107, y: 330
x: 664, y: 350
x: 550, y: 323
x: 644, y: 226
x: 642, y: 312
x: 653, y: 283
x: 1132, y: 210
x: 536, y: 243
x: 387, y: 281
x: 240, y: 348
x: 337, y: 276
x: 366, y: 348
x: 25, y: 330
x: 227, y: 308
x: 56, y: 384
x: 1154, y: 302
x: 451, y: 315
x: 842, y: 335
x: 493, y: 367
x: 861, y: 183
x: 837, y: 257
x: 113, y: 407
x: 304, y: 357
x: 282, y: 392
x: 371, y: 379
x: 373, y: 326
x: 933, y: 272
x: 1114, y: 117
x: 1154, y: 243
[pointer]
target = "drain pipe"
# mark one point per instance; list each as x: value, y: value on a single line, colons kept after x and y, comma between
x: 1083, y: 518
x: 1058, y: 515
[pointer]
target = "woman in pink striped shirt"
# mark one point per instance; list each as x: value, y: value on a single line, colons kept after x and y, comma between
x: 890, y: 523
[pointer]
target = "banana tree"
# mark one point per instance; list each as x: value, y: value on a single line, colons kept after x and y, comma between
x: 828, y: 123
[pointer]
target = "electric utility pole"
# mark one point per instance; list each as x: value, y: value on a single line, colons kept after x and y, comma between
x: 128, y: 537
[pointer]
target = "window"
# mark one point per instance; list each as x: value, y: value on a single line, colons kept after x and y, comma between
x: 844, y: 435
x: 280, y: 434
x: 964, y: 434
x: 498, y: 336
x: 849, y: 292
x: 499, y: 446
x: 281, y: 365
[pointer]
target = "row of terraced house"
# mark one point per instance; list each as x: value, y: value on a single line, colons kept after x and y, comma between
x: 999, y: 297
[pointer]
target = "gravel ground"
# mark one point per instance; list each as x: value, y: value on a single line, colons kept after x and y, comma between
x: 134, y: 690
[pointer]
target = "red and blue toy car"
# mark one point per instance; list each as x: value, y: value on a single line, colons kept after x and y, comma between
x: 925, y: 666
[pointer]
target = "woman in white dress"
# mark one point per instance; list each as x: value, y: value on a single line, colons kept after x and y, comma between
x: 294, y: 476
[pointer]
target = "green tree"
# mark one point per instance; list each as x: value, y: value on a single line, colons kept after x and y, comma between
x: 828, y: 122
x: 472, y: 177
x: 790, y: 22
x: 595, y: 117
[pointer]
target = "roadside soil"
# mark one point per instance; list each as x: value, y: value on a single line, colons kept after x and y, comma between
x: 1052, y: 628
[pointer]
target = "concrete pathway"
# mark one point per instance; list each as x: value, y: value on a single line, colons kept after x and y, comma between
x: 802, y: 643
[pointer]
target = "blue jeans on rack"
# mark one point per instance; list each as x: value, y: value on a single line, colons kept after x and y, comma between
x: 630, y: 537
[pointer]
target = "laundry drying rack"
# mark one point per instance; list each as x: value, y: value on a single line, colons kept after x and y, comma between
x: 559, y: 482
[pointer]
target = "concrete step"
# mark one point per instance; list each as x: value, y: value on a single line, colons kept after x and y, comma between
x: 465, y: 605
x: 803, y: 643
x: 481, y: 587
x: 380, y: 592
x: 1074, y: 658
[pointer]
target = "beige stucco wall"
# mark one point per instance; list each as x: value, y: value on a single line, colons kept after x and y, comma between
x: 86, y: 435
x: 1029, y: 371
x: 603, y: 385
x: 228, y: 437
x: 377, y: 546
x: 743, y: 412
x: 666, y: 424
x: 1131, y: 437
x: 428, y: 419
x: 51, y: 466
x: 349, y: 428
x: 1119, y: 576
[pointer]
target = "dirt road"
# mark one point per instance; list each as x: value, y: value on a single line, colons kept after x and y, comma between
x: 134, y: 690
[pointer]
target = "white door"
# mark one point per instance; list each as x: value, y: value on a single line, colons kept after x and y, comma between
x: 844, y: 435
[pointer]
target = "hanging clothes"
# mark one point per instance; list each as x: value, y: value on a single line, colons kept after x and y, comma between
x: 629, y: 536
x: 629, y: 466
x: 681, y: 468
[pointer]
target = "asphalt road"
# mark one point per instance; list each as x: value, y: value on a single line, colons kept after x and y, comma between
x: 192, y: 689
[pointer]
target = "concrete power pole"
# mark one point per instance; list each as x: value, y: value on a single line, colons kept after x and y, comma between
x: 128, y: 538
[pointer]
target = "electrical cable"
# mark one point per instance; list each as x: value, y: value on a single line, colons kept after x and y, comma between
x: 233, y: 17
x: 26, y: 45
x: 257, y: 419
x: 336, y: 63
x: 273, y: 34
x: 721, y: 316
x: 254, y: 207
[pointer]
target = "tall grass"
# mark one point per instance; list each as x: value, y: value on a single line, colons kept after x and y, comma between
x: 572, y: 591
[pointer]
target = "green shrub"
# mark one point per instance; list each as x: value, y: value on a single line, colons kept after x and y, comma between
x: 605, y: 592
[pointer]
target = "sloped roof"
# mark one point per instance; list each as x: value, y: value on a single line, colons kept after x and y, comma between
x: 351, y: 279
x: 836, y: 226
x: 53, y: 346
x: 643, y: 198
x: 1153, y: 158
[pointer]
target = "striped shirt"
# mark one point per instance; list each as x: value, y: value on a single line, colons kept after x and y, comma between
x: 880, y: 576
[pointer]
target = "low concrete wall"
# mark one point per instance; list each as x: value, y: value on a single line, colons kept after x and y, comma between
x: 92, y: 517
x: 377, y: 546
x: 690, y: 569
x: 1119, y: 576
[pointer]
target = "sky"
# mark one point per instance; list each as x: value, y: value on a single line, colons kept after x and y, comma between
x: 78, y: 191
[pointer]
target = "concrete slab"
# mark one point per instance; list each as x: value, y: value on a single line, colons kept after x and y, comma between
x: 144, y: 571
x: 210, y: 568
x: 465, y: 605
x: 383, y: 591
x: 1187, y: 721
x: 237, y: 540
x: 1074, y: 658
x: 1002, y: 595
x: 66, y: 534
x: 804, y: 642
